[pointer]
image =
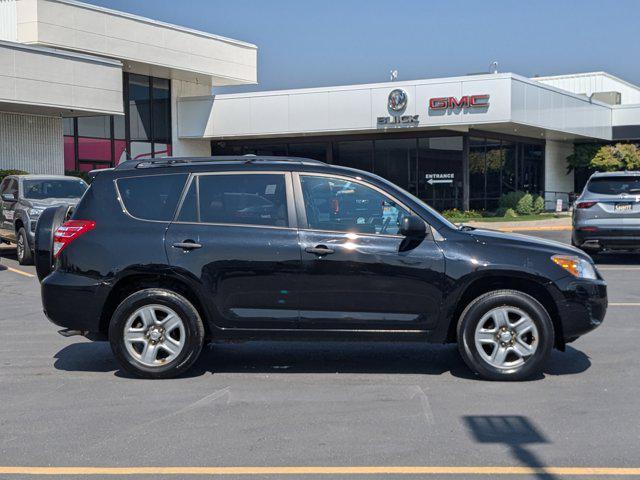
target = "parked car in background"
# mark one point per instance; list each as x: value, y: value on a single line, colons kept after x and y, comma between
x: 606, y: 216
x: 24, y: 197
x: 161, y: 256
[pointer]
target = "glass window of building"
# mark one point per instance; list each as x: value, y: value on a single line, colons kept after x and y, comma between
x: 315, y: 151
x: 357, y: 154
x: 439, y: 171
x: 139, y: 107
x: 143, y: 132
x: 395, y: 159
x: 477, y: 173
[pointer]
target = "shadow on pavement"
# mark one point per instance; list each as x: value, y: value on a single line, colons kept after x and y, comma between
x: 513, y: 431
x: 309, y: 357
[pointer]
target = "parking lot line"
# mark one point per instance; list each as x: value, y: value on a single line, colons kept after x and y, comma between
x: 624, y: 304
x: 373, y: 470
x: 20, y: 272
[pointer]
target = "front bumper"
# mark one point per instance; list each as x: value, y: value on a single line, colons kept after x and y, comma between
x: 73, y: 301
x: 582, y: 306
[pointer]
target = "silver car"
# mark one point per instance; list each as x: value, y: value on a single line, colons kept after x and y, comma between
x: 607, y: 213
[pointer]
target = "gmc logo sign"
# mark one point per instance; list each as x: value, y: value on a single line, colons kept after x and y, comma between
x: 468, y: 101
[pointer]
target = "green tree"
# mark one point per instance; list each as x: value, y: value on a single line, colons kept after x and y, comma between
x: 611, y: 158
x: 582, y: 155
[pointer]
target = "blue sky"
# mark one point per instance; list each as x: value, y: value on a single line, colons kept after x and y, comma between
x: 307, y: 44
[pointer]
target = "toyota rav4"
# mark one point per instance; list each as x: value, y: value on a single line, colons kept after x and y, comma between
x: 161, y: 256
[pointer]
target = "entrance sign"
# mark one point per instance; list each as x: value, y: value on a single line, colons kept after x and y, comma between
x: 451, y: 103
x: 439, y: 178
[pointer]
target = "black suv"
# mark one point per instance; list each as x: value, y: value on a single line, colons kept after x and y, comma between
x: 161, y: 256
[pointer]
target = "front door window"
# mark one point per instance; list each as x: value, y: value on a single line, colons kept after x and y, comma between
x: 341, y: 205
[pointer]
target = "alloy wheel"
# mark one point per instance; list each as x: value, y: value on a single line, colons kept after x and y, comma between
x: 506, y: 337
x: 154, y: 335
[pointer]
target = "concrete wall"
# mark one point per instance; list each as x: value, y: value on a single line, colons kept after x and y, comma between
x: 48, y: 82
x: 186, y: 53
x: 186, y: 147
x: 589, y: 83
x: 31, y: 143
x: 355, y: 108
x: 556, y: 178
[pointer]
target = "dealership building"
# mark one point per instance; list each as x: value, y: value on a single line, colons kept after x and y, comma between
x: 83, y: 87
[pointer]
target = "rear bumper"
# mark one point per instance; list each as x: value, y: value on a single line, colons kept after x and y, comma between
x: 582, y: 306
x: 73, y: 301
x: 610, y: 237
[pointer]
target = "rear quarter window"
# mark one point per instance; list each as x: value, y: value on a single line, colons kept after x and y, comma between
x: 153, y: 197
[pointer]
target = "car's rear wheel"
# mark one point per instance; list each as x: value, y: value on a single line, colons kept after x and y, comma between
x: 156, y: 333
x: 23, y: 250
x: 505, y: 335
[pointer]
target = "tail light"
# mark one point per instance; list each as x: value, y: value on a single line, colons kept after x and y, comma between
x: 68, y: 232
x: 585, y: 204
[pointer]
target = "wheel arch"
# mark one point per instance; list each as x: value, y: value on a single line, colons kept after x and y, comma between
x: 134, y: 282
x: 499, y: 281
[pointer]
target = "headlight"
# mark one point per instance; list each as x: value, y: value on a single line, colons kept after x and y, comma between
x: 34, y: 213
x: 576, y: 266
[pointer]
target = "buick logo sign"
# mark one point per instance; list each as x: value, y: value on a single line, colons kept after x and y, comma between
x: 397, y: 100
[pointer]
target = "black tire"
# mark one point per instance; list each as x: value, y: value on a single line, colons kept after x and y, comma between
x: 23, y: 250
x: 474, y: 313
x: 193, y: 329
x: 47, y: 224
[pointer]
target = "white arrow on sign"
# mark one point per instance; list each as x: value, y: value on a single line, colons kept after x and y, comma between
x: 431, y: 181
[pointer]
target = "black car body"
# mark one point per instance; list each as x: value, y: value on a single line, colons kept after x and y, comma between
x: 306, y: 256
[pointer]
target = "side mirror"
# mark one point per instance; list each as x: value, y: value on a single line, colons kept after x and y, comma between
x: 8, y: 197
x: 413, y: 226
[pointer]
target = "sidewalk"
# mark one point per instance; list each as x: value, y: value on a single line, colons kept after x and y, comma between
x: 557, y: 224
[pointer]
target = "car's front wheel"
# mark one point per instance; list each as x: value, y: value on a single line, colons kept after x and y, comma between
x: 156, y: 333
x: 23, y: 250
x: 505, y: 335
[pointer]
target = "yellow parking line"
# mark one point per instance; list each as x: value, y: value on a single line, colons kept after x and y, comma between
x: 128, y: 471
x: 20, y: 272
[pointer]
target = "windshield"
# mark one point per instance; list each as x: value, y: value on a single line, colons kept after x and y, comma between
x: 53, y: 188
x: 614, y: 185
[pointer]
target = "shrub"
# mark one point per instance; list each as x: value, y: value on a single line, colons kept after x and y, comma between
x: 538, y: 204
x: 525, y: 205
x: 459, y: 215
x: 4, y: 173
x: 510, y: 213
x: 511, y: 199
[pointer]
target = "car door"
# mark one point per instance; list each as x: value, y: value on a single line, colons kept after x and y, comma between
x: 7, y: 214
x: 236, y: 233
x: 357, y: 271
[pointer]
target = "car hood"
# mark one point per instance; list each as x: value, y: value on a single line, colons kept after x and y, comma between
x: 496, y: 238
x: 52, y: 202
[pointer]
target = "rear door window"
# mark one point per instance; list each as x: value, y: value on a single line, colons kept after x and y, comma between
x: 239, y: 199
x: 614, y: 185
x: 153, y: 197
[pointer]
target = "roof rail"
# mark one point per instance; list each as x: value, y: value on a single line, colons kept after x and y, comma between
x: 247, y: 159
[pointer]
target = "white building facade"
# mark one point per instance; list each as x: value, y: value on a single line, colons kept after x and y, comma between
x: 84, y: 87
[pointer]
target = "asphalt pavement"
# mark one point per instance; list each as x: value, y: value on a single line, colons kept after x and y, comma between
x: 254, y: 409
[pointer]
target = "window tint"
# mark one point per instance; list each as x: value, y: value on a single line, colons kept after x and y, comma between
x: 342, y: 205
x: 614, y: 185
x: 251, y: 199
x: 152, y: 198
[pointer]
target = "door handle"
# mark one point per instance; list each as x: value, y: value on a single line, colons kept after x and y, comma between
x: 319, y: 250
x: 187, y: 245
